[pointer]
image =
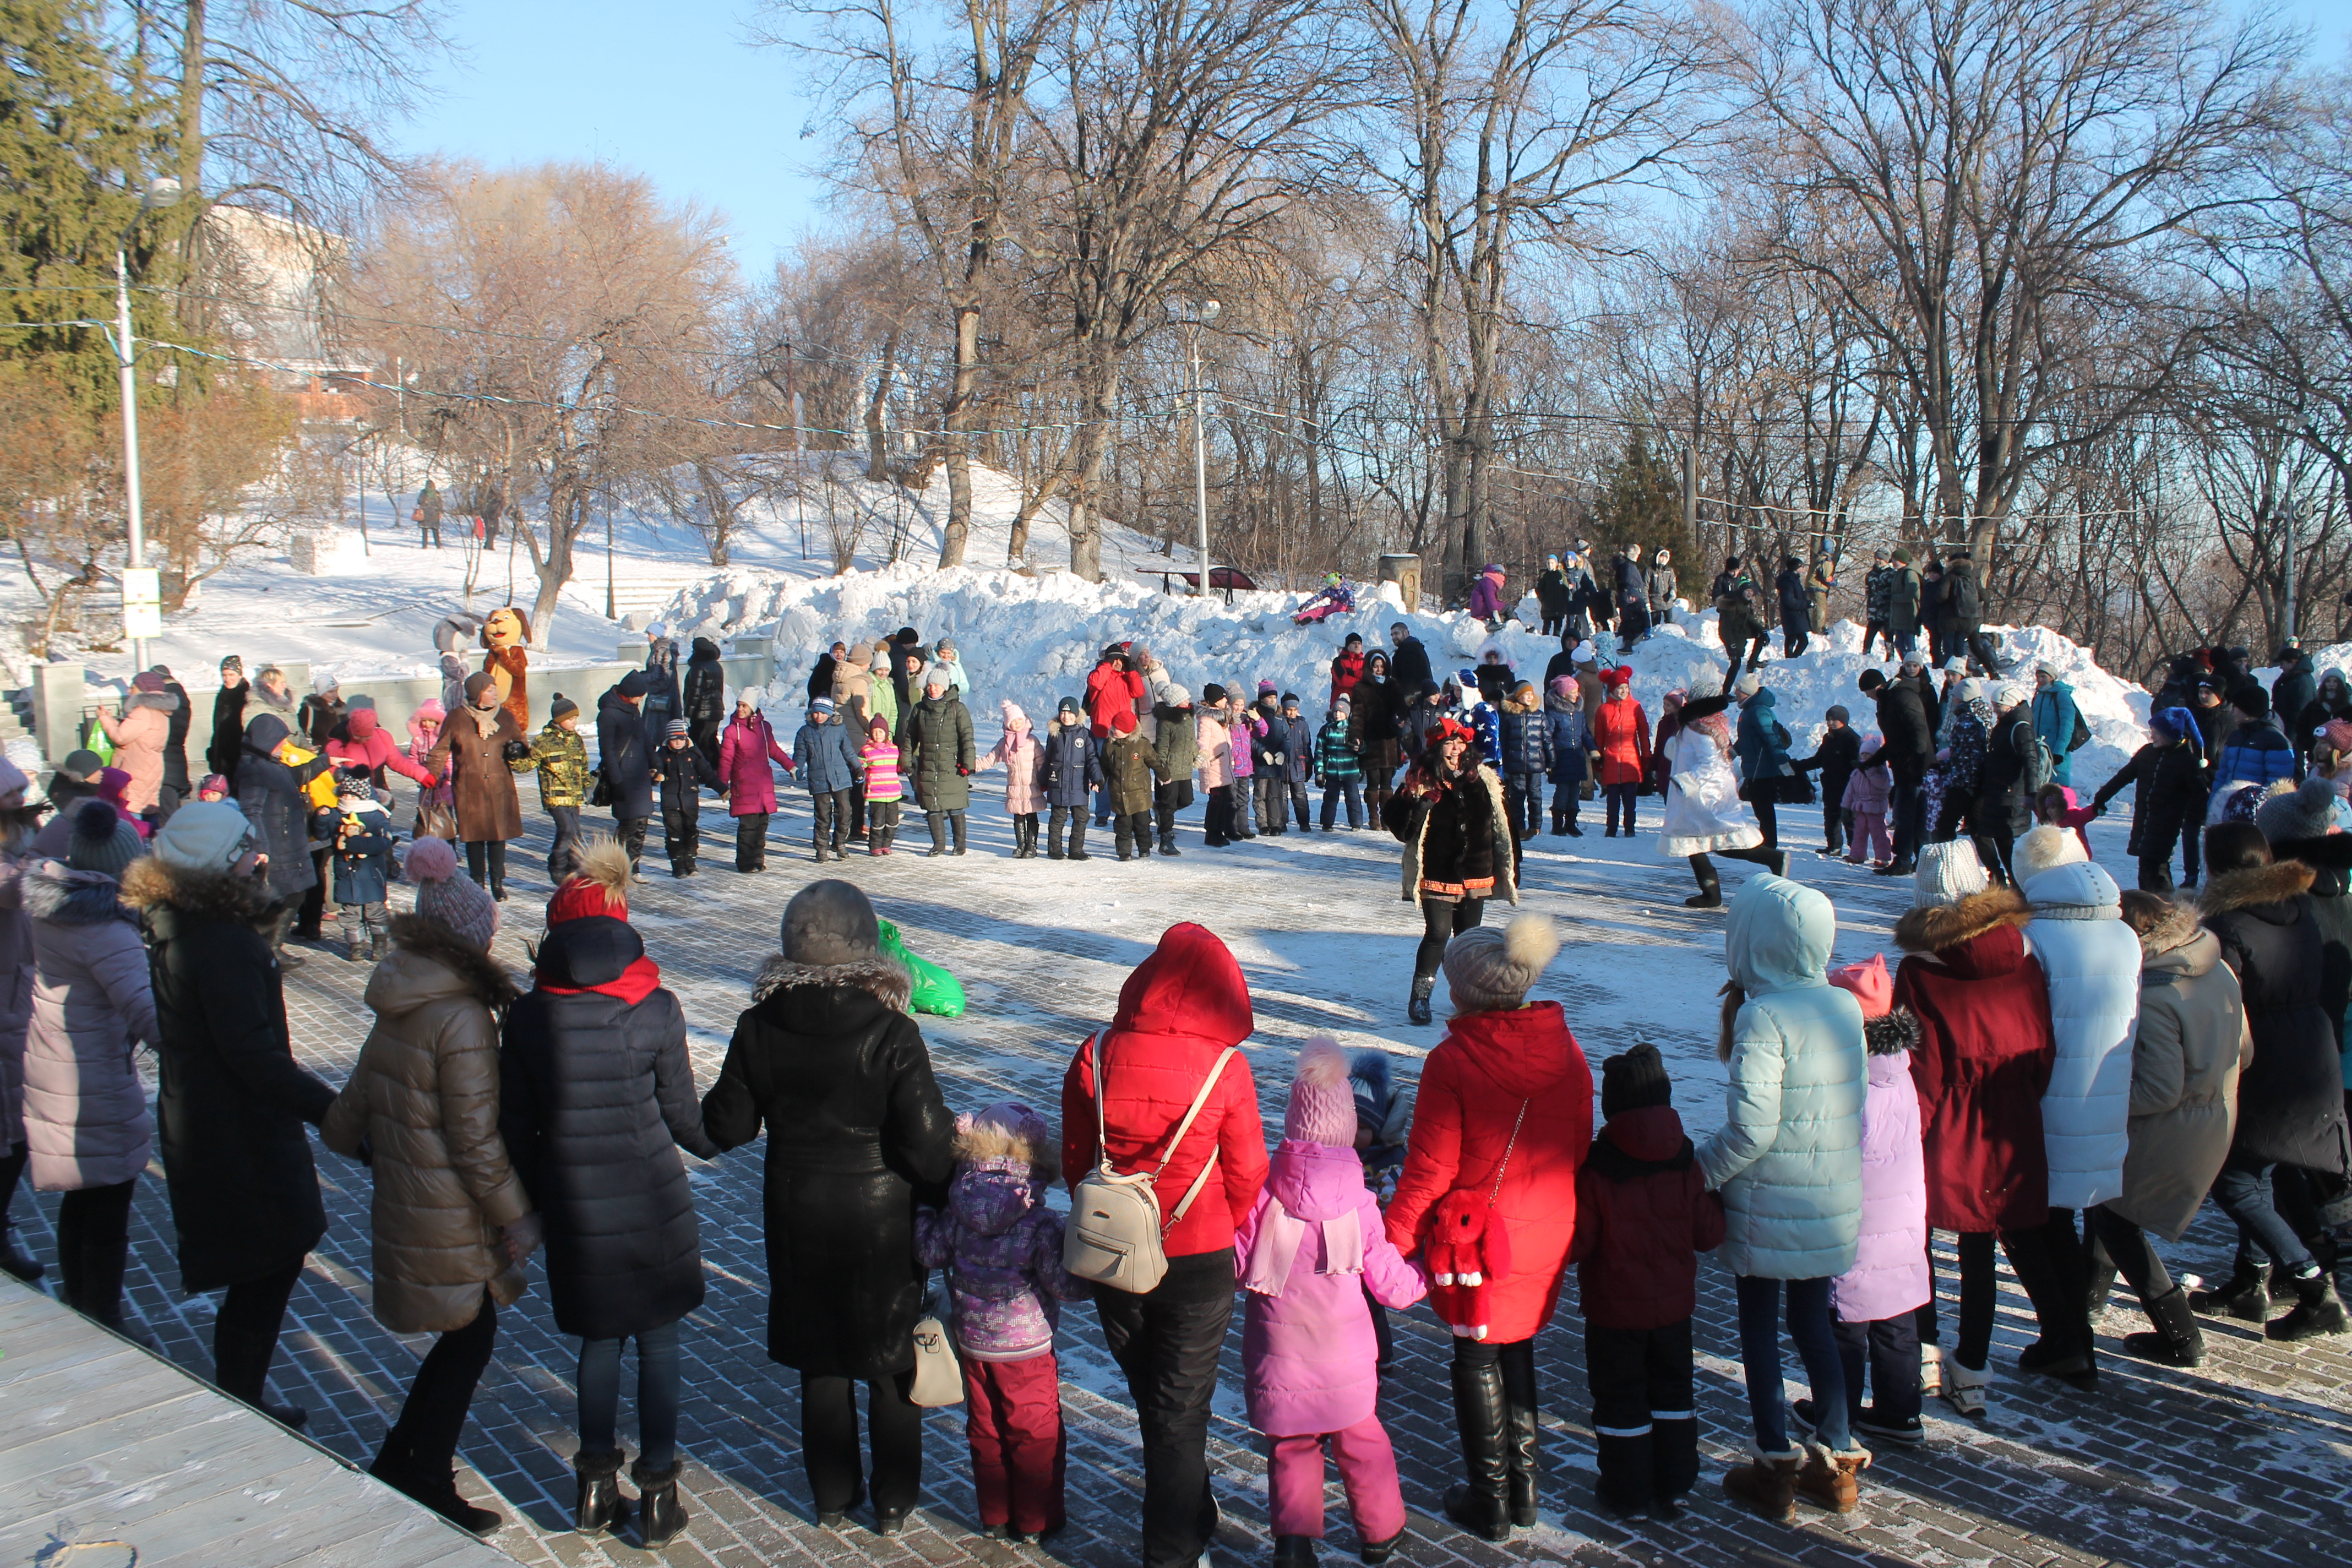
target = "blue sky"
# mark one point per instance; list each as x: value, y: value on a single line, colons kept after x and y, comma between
x: 671, y: 89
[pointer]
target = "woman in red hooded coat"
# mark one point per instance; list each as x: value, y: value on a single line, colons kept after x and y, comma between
x: 1504, y: 1112
x: 1177, y: 1013
x: 1984, y: 1055
x: 1621, y: 732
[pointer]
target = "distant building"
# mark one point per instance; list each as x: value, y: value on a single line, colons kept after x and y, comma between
x: 268, y: 284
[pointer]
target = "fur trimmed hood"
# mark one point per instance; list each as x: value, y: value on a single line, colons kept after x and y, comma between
x: 161, y: 701
x: 884, y: 978
x: 2271, y: 884
x: 61, y: 895
x: 1936, y: 927
x: 2178, y: 925
x: 202, y: 895
x: 482, y: 974
x: 1892, y: 1032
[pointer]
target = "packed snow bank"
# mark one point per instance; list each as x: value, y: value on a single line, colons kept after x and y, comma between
x: 1032, y: 640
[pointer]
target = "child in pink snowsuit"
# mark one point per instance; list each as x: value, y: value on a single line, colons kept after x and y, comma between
x: 1310, y: 1251
x: 1001, y: 1249
x: 2056, y: 805
x: 1865, y: 797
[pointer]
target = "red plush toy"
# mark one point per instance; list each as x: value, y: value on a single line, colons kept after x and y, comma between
x: 1467, y: 1252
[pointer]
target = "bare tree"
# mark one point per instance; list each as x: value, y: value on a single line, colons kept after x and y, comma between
x: 2017, y: 164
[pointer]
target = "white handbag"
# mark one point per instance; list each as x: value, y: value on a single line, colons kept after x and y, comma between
x: 939, y: 1377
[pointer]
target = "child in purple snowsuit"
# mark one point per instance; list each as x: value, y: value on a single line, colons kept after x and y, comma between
x: 1001, y: 1249
x: 1311, y: 1249
x: 1876, y: 1299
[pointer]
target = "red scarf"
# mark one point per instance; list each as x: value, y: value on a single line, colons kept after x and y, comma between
x: 632, y: 985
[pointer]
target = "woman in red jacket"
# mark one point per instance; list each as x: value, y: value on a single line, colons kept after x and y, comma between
x: 1621, y: 729
x: 1177, y: 1013
x: 1505, y: 1117
x: 1983, y: 1060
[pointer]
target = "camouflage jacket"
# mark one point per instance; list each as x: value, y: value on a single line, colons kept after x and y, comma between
x: 560, y: 757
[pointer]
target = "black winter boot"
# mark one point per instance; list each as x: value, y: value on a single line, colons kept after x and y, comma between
x: 1078, y: 840
x: 1523, y: 1439
x: 12, y: 1260
x: 1710, y: 890
x: 601, y: 1506
x: 2317, y: 1309
x: 1168, y: 843
x: 2246, y: 1295
x: 2178, y: 1340
x: 1417, y: 1009
x: 1294, y: 1552
x: 939, y: 832
x: 660, y: 1514
x: 955, y: 821
x: 1481, y: 1505
x: 1053, y: 838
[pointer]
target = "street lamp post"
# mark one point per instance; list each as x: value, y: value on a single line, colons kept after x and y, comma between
x: 162, y: 191
x: 1205, y: 316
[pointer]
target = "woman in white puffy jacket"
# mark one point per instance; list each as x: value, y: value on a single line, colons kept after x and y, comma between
x: 1704, y: 815
x: 1788, y: 1162
x: 2092, y: 962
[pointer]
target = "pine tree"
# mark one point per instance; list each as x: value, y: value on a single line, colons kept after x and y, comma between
x: 78, y: 134
x: 1641, y: 500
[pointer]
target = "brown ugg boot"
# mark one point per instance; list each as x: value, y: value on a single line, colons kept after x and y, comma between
x: 1830, y: 1476
x: 1766, y: 1483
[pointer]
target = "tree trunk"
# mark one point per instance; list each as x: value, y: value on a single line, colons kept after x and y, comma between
x: 878, y: 448
x: 958, y: 531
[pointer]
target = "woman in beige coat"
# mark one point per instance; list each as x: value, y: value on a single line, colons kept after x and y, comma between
x: 2192, y: 1044
x: 452, y: 1222
x: 139, y: 737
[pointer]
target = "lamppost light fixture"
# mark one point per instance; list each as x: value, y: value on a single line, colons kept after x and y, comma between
x: 162, y: 191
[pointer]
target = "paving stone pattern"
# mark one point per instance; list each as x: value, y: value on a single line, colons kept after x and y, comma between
x: 2244, y: 1461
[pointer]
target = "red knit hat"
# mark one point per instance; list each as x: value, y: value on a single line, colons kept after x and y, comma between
x: 1123, y: 722
x: 598, y: 886
x: 1621, y: 676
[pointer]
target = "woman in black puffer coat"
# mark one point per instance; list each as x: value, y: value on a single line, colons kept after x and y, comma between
x: 233, y: 1109
x: 596, y: 1099
x: 826, y: 1059
x: 2290, y: 1098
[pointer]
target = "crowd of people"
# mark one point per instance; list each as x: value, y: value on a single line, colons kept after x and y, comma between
x: 2051, y: 1064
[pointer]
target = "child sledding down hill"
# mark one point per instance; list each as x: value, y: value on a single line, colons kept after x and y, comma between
x: 1311, y: 1249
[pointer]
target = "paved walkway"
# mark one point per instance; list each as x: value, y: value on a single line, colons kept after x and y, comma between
x: 2244, y: 1462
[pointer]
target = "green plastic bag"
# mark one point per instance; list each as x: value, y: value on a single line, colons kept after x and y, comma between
x: 936, y: 990
x: 94, y: 738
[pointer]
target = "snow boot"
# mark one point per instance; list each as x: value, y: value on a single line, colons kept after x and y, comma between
x: 1560, y: 824
x: 1294, y: 1552
x: 2317, y: 1309
x: 660, y: 1515
x: 2178, y: 1340
x: 1573, y: 830
x: 1078, y: 840
x: 1375, y: 1552
x: 1481, y: 1505
x: 1168, y: 843
x: 2073, y: 1366
x: 601, y: 1506
x: 1964, y: 1388
x: 1710, y: 890
x: 1417, y: 1009
x: 1054, y: 839
x: 939, y: 834
x: 1766, y: 1483
x: 1828, y: 1477
x: 955, y: 821
x: 2246, y: 1295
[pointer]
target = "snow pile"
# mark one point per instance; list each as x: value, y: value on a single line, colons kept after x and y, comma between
x: 1033, y: 639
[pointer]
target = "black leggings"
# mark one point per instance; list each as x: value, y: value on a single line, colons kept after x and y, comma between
x: 245, y: 1334
x: 1441, y: 920
x: 434, y: 1415
x: 894, y: 1427
x: 1980, y: 1292
x: 93, y: 1247
x: 2116, y: 1243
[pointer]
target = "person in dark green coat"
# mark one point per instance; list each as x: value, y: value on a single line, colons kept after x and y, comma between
x: 939, y: 758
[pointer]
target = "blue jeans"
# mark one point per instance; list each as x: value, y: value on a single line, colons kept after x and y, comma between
x: 2244, y: 1191
x: 1352, y: 791
x: 1811, y: 1326
x: 657, y: 1380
